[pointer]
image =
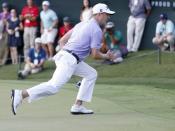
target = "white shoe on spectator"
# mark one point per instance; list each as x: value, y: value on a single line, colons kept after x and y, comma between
x: 16, y: 96
x: 166, y: 45
x: 134, y: 50
x: 78, y: 110
x: 118, y: 60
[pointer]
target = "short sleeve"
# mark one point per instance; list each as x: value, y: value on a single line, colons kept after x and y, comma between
x: 158, y: 28
x: 30, y: 53
x: 170, y: 27
x: 41, y: 14
x: 35, y: 11
x: 96, y: 39
x: 54, y: 16
x: 18, y: 22
x: 43, y: 54
x: 130, y: 4
x: 23, y: 11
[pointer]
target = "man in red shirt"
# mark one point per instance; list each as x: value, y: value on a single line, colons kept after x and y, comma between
x: 63, y: 30
x: 66, y: 26
x: 29, y: 16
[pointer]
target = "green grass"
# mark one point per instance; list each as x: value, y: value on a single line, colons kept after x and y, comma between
x: 117, y: 108
x: 136, y: 95
x: 133, y: 68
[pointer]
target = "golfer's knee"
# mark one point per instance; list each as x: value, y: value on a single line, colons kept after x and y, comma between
x: 54, y: 88
x: 93, y: 75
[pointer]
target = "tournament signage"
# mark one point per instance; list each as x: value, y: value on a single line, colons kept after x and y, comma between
x: 165, y: 4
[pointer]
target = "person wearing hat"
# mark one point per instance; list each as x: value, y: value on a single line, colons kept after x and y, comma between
x: 14, y: 26
x: 165, y: 33
x: 76, y: 45
x: 4, y: 17
x: 66, y: 26
x: 35, y: 60
x: 140, y: 10
x: 63, y: 30
x: 112, y: 40
x: 49, y: 23
x: 29, y: 16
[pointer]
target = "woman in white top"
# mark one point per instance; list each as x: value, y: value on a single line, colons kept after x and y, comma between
x: 86, y: 11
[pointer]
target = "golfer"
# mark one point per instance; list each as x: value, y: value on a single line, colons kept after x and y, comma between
x: 84, y: 39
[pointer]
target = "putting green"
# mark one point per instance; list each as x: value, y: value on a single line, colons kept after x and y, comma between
x: 117, y: 108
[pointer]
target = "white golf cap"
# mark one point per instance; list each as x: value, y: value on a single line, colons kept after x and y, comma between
x: 102, y: 8
x: 110, y: 25
x: 38, y: 40
x: 46, y: 3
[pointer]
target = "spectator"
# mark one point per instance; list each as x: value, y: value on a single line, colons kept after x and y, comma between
x: 112, y: 41
x: 140, y: 10
x: 165, y: 33
x: 35, y: 60
x: 49, y: 22
x: 4, y: 17
x: 29, y: 17
x: 13, y: 28
x: 66, y: 27
x: 86, y: 11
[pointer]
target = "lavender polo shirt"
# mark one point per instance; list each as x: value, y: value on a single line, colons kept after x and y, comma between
x: 85, y: 36
x: 137, y: 8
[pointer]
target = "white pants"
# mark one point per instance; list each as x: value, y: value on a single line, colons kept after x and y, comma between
x: 135, y: 28
x: 66, y: 66
x: 159, y: 41
x: 48, y: 37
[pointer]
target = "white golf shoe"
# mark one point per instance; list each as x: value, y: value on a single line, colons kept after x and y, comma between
x: 16, y: 96
x: 78, y: 110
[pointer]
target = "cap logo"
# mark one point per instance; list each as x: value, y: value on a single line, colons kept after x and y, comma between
x: 101, y: 10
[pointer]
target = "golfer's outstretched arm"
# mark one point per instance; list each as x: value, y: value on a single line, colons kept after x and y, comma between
x: 65, y: 39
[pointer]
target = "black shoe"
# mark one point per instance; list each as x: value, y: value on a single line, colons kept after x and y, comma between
x: 78, y: 84
x: 21, y: 76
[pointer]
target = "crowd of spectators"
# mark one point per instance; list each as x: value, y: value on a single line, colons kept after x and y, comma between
x: 21, y: 31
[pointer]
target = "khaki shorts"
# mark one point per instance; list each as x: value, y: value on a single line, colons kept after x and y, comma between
x: 48, y: 37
